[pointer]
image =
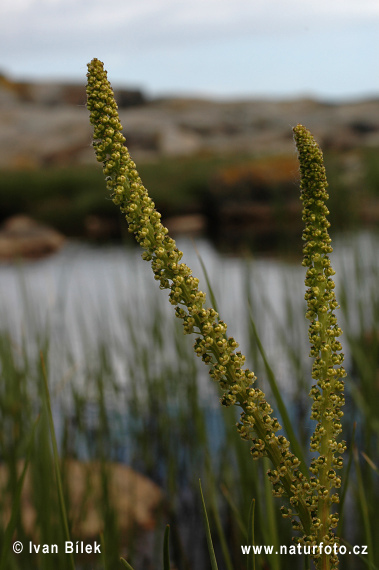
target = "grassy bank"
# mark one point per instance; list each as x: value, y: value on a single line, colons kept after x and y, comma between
x: 68, y: 198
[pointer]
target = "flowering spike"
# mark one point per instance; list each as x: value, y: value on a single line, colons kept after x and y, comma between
x: 217, y: 350
x: 327, y: 369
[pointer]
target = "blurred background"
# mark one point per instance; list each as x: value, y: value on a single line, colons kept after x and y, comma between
x: 208, y: 93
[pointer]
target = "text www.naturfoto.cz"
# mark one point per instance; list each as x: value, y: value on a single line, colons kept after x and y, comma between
x: 309, y: 550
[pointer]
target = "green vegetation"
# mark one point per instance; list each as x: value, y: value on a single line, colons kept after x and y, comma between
x: 159, y: 420
x: 65, y: 198
x: 310, y: 499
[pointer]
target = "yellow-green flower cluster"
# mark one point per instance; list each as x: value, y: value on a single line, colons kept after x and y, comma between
x: 213, y: 346
x: 327, y: 369
x: 257, y: 424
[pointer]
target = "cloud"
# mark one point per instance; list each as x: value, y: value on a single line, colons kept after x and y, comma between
x: 165, y: 21
x: 40, y: 38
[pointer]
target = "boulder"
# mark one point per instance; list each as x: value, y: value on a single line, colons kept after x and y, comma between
x: 133, y: 496
x: 23, y: 237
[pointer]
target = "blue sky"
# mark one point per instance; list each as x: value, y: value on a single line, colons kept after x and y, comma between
x: 219, y: 48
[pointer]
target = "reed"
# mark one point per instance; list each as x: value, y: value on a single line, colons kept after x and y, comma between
x: 167, y: 429
x: 311, y: 499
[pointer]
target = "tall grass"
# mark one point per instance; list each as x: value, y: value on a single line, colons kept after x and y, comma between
x: 148, y: 408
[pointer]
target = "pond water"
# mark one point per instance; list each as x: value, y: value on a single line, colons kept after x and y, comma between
x: 85, y: 295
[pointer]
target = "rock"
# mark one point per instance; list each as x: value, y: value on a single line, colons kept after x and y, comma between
x: 46, y: 135
x: 129, y: 98
x: 56, y: 94
x: 21, y: 236
x: 178, y: 142
x: 192, y: 224
x: 47, y: 123
x: 133, y: 496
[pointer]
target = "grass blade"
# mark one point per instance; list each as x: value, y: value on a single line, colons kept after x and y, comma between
x: 370, y: 462
x: 364, y: 506
x: 208, y: 532
x: 6, y: 546
x: 221, y: 534
x: 250, y: 537
x: 62, y: 505
x: 235, y: 510
x: 208, y: 281
x: 103, y: 551
x: 166, y: 549
x: 345, y: 481
x: 271, y: 520
x: 126, y: 564
x: 368, y: 563
x: 296, y: 447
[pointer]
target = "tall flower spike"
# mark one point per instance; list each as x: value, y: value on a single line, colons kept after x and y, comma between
x: 216, y: 349
x: 327, y: 369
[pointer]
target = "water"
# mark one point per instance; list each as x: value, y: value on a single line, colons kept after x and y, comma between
x: 85, y: 295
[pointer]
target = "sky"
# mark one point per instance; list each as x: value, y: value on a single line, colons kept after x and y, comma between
x: 326, y: 49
